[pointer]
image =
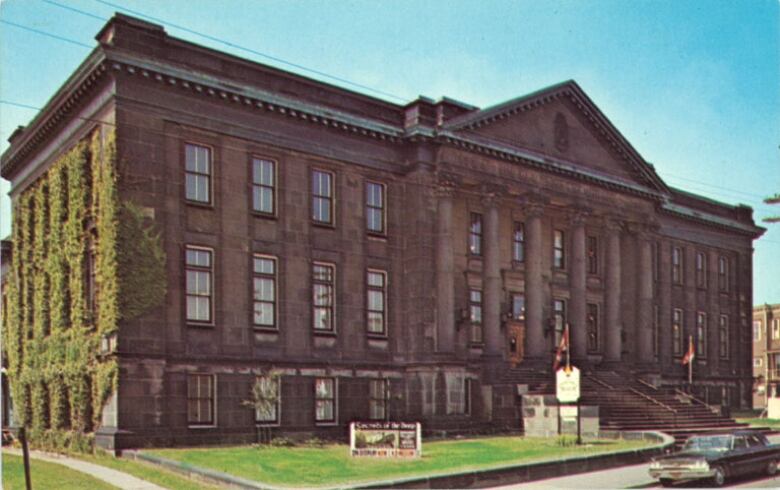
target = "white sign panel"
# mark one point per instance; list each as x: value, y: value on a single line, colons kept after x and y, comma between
x: 385, y: 439
x: 567, y: 385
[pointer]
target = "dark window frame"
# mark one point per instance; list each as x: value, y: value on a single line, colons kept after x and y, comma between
x: 560, y: 318
x: 476, y: 315
x: 593, y: 327
x: 518, y: 242
x: 723, y: 274
x: 274, y: 302
x: 330, y: 309
x: 701, y: 335
x: 210, y: 398
x: 195, y: 268
x: 592, y: 253
x: 208, y: 175
x: 517, y: 316
x: 678, y: 329
x: 277, y: 405
x: 701, y: 270
x: 381, y: 208
x: 559, y: 249
x: 678, y: 261
x: 332, y: 400
x: 260, y: 185
x: 476, y: 230
x: 329, y: 198
x: 380, y: 401
x: 382, y: 290
x: 724, y: 330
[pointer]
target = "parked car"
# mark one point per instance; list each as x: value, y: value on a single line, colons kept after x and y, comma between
x: 718, y: 456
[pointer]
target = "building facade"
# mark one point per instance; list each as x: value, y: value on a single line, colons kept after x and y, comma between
x: 766, y: 354
x: 367, y: 260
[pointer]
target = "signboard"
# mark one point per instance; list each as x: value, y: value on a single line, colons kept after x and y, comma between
x: 568, y: 412
x: 567, y: 385
x: 385, y: 439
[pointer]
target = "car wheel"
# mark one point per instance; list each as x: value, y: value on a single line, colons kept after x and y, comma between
x: 718, y: 476
x: 666, y: 482
x: 771, y: 468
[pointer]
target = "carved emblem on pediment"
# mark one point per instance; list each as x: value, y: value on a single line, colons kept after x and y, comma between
x: 561, y: 132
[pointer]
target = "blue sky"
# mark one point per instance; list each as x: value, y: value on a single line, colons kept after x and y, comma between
x: 694, y: 86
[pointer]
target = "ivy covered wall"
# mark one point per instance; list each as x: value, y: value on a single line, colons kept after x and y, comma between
x: 59, y: 378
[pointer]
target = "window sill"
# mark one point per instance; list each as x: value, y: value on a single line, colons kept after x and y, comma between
x: 260, y: 214
x: 376, y: 336
x: 201, y: 426
x: 325, y: 333
x: 258, y: 328
x: 267, y: 424
x: 326, y: 424
x: 199, y: 204
x: 379, y: 237
x: 200, y: 325
x: 326, y: 226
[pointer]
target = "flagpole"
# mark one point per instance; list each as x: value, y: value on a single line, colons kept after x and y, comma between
x: 568, y: 349
x: 690, y: 362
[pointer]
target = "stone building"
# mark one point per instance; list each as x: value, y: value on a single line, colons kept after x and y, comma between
x: 766, y: 353
x: 384, y: 260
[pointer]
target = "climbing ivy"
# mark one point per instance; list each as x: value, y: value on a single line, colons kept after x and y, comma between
x: 59, y: 379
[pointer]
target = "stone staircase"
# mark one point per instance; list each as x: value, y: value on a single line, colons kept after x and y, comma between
x: 626, y: 402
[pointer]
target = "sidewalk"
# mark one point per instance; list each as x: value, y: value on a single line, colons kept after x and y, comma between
x: 113, y: 477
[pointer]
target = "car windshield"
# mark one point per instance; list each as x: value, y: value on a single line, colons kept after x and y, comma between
x: 709, y: 443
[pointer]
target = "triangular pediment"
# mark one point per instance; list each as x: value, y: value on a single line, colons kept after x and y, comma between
x: 561, y: 123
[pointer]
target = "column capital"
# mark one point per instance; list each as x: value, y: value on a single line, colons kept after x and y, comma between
x: 491, y: 194
x: 578, y: 215
x: 614, y: 223
x: 643, y: 230
x: 444, y: 188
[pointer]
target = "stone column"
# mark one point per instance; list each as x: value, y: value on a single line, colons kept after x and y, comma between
x: 614, y: 342
x: 577, y: 274
x: 644, y: 339
x: 445, y: 274
x: 492, y: 278
x: 534, y: 297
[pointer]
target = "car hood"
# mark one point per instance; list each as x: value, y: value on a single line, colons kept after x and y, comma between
x: 692, y: 455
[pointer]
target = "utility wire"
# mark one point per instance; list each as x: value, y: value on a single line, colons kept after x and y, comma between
x: 248, y: 50
x: 44, y: 33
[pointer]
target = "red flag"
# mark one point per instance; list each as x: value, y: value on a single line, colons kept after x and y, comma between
x: 691, y: 354
x: 563, y: 346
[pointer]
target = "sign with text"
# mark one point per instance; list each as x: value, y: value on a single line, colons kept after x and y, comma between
x: 385, y: 439
x: 567, y: 385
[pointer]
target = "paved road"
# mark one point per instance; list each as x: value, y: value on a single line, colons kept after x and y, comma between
x: 636, y: 476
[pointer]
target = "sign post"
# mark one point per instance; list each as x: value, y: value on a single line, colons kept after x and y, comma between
x: 567, y: 390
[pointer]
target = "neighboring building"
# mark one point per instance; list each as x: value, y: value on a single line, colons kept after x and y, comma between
x: 388, y: 261
x: 766, y: 353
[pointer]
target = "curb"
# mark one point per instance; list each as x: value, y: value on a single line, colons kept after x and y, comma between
x: 502, y: 475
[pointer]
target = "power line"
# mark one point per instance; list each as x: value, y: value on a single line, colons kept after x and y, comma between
x: 44, y: 33
x: 74, y: 9
x: 248, y: 50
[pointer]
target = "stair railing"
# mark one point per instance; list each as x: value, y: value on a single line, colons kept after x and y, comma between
x: 660, y: 404
x: 697, y: 400
x: 649, y: 385
x: 602, y: 383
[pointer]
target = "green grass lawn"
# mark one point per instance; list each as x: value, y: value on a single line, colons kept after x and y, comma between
x: 146, y: 471
x: 331, y: 465
x: 47, y: 475
x: 756, y: 422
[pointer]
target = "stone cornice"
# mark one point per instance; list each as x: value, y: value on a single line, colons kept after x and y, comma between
x: 712, y: 220
x: 55, y: 112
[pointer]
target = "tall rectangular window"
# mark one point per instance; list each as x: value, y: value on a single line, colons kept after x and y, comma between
x: 593, y: 255
x: 264, y: 186
x: 322, y: 197
x: 475, y: 315
x: 264, y: 291
x: 775, y: 328
x: 325, y: 400
x: 197, y: 173
x: 677, y: 332
x: 458, y: 395
x: 377, y: 399
x: 559, y: 256
x: 518, y: 242
x: 677, y: 265
x: 475, y: 234
x: 518, y: 307
x: 323, y: 296
x: 701, y: 335
x: 656, y: 330
x: 723, y: 334
x: 756, y: 331
x: 723, y: 273
x: 376, y: 302
x: 200, y: 399
x: 559, y: 319
x: 701, y: 270
x: 592, y: 324
x: 199, y: 271
x: 375, y: 208
x: 268, y: 397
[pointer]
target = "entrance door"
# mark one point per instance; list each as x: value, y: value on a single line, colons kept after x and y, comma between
x: 515, y: 342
